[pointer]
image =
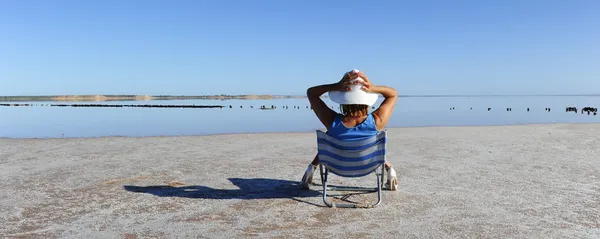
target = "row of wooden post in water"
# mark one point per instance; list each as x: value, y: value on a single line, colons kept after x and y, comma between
x: 589, y: 110
x: 117, y: 106
x: 262, y: 107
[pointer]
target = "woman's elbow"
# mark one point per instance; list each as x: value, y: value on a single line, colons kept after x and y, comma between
x: 310, y: 92
x: 391, y: 92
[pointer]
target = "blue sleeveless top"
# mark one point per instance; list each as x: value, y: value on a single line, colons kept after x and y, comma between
x: 364, y: 130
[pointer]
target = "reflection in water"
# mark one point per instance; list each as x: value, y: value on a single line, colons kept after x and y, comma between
x: 284, y: 115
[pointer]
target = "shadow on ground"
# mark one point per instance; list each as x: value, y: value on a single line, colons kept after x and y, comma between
x: 249, y: 188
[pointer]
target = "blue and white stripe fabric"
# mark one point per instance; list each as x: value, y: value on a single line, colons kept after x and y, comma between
x: 351, y: 158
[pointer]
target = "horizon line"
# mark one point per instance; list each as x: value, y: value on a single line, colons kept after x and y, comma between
x: 283, y: 95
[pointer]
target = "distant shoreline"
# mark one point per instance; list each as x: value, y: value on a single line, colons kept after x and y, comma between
x: 100, y: 98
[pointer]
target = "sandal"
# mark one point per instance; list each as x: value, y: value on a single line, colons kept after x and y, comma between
x: 392, y: 181
x: 308, y: 176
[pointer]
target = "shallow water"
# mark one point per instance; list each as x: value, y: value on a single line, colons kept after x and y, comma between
x: 33, y: 122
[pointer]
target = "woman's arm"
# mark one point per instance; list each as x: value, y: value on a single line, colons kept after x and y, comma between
x: 324, y: 113
x: 384, y: 112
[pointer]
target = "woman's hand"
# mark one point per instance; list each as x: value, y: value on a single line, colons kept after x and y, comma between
x: 367, y: 85
x: 346, y: 81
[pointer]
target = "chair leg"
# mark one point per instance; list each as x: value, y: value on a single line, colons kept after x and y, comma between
x: 324, y: 173
x: 379, y: 185
x: 321, y: 172
x: 383, y: 175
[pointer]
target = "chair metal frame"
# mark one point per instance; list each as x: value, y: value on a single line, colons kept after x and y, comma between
x: 380, y: 172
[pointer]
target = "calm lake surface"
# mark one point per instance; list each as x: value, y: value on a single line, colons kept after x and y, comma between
x: 43, y: 122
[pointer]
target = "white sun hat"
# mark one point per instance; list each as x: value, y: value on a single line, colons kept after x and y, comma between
x: 354, y: 96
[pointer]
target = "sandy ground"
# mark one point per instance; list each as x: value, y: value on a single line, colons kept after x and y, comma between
x: 535, y: 181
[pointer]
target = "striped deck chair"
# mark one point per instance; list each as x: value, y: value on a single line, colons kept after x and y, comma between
x: 351, y: 159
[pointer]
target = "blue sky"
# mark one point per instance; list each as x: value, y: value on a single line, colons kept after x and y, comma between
x: 283, y: 47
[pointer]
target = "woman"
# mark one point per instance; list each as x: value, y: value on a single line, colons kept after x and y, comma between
x: 355, y: 121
